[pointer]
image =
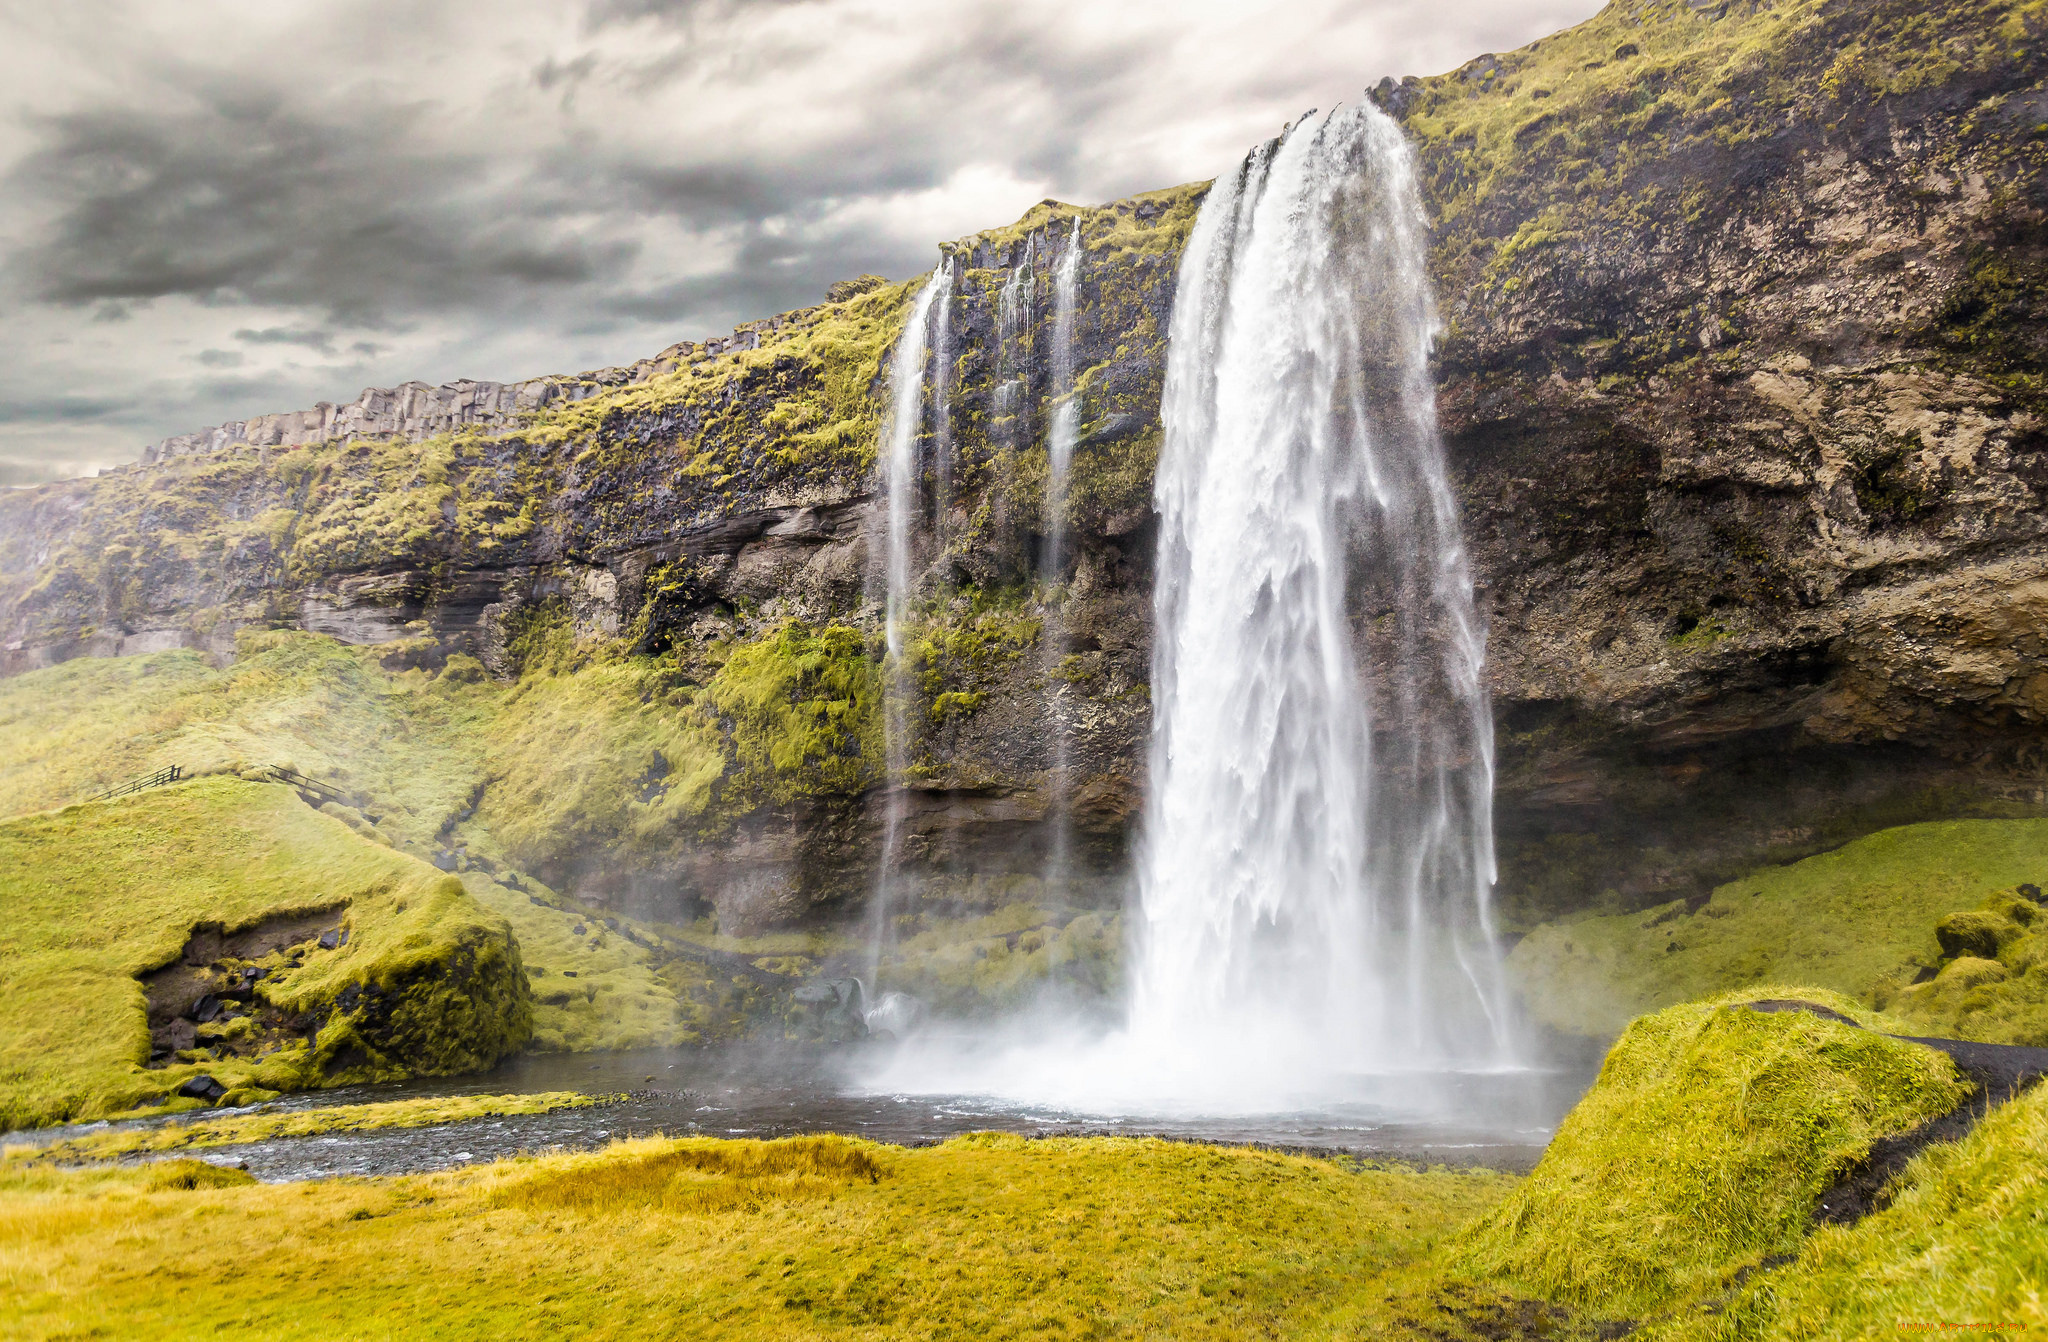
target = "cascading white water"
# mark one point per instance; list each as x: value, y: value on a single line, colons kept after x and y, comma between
x: 1066, y: 413
x: 1317, y: 861
x: 1063, y: 429
x: 941, y: 364
x: 899, y: 442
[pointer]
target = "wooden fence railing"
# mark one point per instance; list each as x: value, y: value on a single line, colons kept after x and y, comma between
x: 168, y: 774
x: 310, y: 787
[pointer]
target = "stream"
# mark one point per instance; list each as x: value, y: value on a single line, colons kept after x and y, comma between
x: 1499, y: 1120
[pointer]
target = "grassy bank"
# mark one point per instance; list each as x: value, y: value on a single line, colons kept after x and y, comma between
x: 93, y: 896
x: 1864, y: 920
x: 983, y: 1236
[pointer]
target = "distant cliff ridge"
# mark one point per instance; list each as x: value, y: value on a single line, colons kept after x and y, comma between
x: 415, y: 410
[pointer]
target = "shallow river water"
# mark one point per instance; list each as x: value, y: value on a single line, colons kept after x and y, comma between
x: 1500, y: 1120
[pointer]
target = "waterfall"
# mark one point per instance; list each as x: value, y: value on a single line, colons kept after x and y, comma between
x: 1059, y: 452
x: 941, y: 363
x: 899, y: 440
x: 1066, y: 412
x: 1315, y: 875
x: 1013, y: 357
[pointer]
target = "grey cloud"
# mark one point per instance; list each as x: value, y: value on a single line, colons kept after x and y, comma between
x: 311, y: 338
x: 221, y: 358
x: 249, y: 199
x: 59, y: 408
x: 606, y: 13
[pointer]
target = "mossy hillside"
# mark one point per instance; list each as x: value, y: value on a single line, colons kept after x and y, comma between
x: 819, y: 1237
x: 412, y: 747
x: 608, y: 754
x: 97, y: 894
x: 1961, y: 1245
x: 266, y: 1124
x: 406, y: 742
x: 1860, y: 920
x: 1700, y: 1151
x: 596, y: 747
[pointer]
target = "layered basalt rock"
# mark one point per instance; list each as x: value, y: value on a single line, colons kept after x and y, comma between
x: 1745, y: 314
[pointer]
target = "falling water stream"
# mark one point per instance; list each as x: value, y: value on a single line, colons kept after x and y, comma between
x: 1318, y: 856
x: 901, y: 431
x: 1064, y: 429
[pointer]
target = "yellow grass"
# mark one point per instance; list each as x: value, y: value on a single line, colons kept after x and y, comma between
x: 983, y: 1237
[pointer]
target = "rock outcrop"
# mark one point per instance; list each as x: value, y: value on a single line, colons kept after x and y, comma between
x: 1746, y: 308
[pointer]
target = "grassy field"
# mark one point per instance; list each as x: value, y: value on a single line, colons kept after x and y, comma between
x: 1676, y: 1199
x: 1861, y: 920
x: 94, y: 895
x: 825, y: 1237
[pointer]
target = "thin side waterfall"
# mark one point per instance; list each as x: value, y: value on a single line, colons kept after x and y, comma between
x: 1013, y: 357
x: 1314, y: 886
x: 941, y: 364
x: 899, y: 441
x: 1063, y: 430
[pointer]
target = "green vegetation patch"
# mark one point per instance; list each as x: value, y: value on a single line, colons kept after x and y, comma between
x: 1993, y: 981
x: 1008, y: 958
x: 95, y: 895
x: 985, y: 1236
x: 1860, y: 920
x: 1701, y: 1150
x: 404, y: 740
x: 1962, y: 1247
x: 233, y: 1130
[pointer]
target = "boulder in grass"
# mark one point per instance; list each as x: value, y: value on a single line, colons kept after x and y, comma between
x: 1976, y: 933
x: 202, y: 1087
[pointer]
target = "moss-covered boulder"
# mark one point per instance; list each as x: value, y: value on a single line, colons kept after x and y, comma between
x: 1702, y: 1150
x: 214, y: 889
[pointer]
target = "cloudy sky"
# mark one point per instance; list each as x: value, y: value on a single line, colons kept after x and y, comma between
x: 217, y: 208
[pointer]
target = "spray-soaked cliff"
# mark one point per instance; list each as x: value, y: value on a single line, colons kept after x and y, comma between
x: 1741, y: 377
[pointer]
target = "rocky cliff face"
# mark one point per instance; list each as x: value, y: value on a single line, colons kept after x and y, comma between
x: 1742, y: 379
